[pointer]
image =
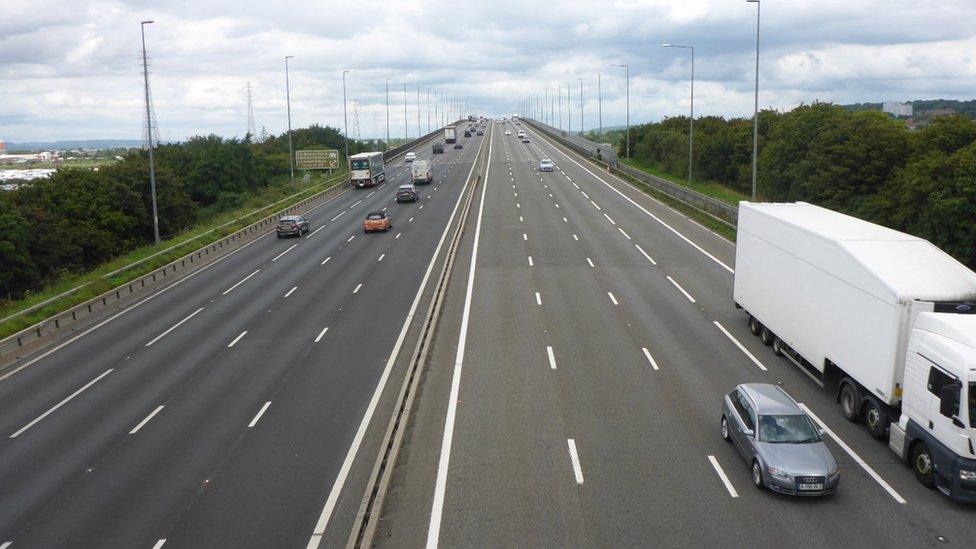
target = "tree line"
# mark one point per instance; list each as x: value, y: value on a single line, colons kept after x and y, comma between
x: 78, y: 219
x: 864, y: 163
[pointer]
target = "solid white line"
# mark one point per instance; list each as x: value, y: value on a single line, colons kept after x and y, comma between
x: 260, y: 413
x: 576, y: 237
x: 574, y: 457
x: 283, y: 253
x: 315, y: 231
x: 440, y: 486
x: 231, y: 289
x: 158, y: 545
x: 145, y: 421
x: 291, y: 291
x: 649, y: 258
x: 867, y: 468
x: 321, y: 334
x: 595, y: 205
x: 326, y: 260
x: 649, y: 357
x: 358, y: 286
x: 173, y: 327
x: 6, y: 544
x: 552, y: 357
x: 612, y: 298
x: 530, y: 261
x: 62, y: 403
x: 350, y: 238
x: 610, y: 219
x: 590, y: 261
x: 739, y: 345
x: 682, y: 290
x: 238, y: 338
x: 538, y: 298
x: 722, y: 475
x: 338, y: 216
x: 624, y: 233
x: 524, y: 236
x: 357, y: 441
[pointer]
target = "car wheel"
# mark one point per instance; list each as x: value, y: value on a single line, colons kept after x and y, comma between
x: 848, y: 402
x: 922, y: 464
x: 757, y: 476
x: 725, y: 430
x: 777, y: 346
x: 766, y: 336
x: 754, y: 326
x: 875, y: 419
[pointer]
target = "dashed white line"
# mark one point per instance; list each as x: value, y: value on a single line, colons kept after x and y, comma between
x: 517, y: 205
x: 525, y: 236
x: 565, y: 220
x: 310, y: 235
x: 381, y: 257
x: 62, y: 403
x: 338, y: 216
x: 595, y: 205
x: 612, y: 298
x: 398, y: 236
x: 146, y: 420
x: 574, y: 457
x: 356, y: 204
x: 174, y: 326
x: 277, y: 257
x: 159, y: 544
x: 291, y: 291
x: 610, y: 219
x: 358, y: 286
x: 723, y: 476
x: 231, y: 289
x: 259, y: 414
x: 410, y: 220
x: 739, y: 345
x: 350, y: 238
x: 530, y: 261
x: 649, y: 258
x: 321, y: 334
x: 326, y: 260
x: 584, y: 194
x: 680, y: 289
x: 624, y: 233
x: 421, y: 207
x: 590, y: 261
x: 538, y: 298
x: 552, y: 357
x: 521, y: 220
x: 649, y: 357
x: 238, y: 338
x: 575, y: 237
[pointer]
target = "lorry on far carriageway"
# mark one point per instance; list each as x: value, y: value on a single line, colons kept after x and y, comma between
x: 449, y: 134
x: 367, y: 169
x: 886, y: 320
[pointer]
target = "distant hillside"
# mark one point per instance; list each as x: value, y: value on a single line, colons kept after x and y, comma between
x: 73, y: 144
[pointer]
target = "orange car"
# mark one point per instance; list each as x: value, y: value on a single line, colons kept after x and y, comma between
x: 377, y: 221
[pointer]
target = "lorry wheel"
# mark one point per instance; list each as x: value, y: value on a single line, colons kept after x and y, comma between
x: 777, y: 346
x: 875, y: 419
x: 922, y: 464
x: 766, y: 336
x: 848, y: 402
x: 754, y: 326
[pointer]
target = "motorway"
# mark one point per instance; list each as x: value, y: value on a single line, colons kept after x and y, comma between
x: 574, y: 393
x: 227, y: 409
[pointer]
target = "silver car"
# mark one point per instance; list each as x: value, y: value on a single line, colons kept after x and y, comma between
x: 780, y: 442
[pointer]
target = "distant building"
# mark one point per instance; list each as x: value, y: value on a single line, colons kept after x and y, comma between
x: 3, y: 147
x: 896, y: 108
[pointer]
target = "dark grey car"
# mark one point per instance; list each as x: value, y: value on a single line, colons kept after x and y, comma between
x: 782, y: 445
x: 291, y: 225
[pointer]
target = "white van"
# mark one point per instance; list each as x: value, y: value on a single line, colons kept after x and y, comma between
x: 421, y: 173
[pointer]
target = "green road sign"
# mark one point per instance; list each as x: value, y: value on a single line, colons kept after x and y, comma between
x: 321, y: 159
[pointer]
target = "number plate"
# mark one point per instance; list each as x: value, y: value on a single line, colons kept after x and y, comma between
x: 817, y: 486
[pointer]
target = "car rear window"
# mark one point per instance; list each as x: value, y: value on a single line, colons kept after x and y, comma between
x: 288, y: 222
x: 374, y: 217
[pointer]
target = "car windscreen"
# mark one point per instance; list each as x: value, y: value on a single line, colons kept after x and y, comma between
x: 795, y: 429
x: 360, y: 164
x: 374, y: 217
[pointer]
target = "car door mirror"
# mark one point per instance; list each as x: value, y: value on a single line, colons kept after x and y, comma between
x: 822, y: 433
x: 748, y: 432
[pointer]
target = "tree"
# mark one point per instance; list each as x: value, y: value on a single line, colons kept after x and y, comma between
x: 18, y: 269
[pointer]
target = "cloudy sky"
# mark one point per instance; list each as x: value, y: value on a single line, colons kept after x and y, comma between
x: 71, y: 69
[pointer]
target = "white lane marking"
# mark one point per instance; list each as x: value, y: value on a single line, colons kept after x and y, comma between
x: 517, y: 205
x: 521, y: 220
x: 575, y: 237
x: 612, y: 298
x: 326, y: 260
x: 550, y: 195
x: 231, y: 289
x: 385, y: 208
x: 649, y: 357
x: 381, y: 257
x: 595, y: 205
x: 174, y: 326
x: 583, y: 193
x: 624, y: 233
x: 574, y: 457
x: 398, y: 236
x: 358, y: 286
x: 6, y: 544
x: 538, y: 298
x: 867, y: 468
x: 649, y: 258
x: 530, y: 261
x: 610, y: 219
x: 516, y: 194
x: 291, y: 291
x: 525, y: 236
x: 146, y: 420
x: 350, y: 238
x: 158, y: 545
x: 372, y: 193
x: 259, y: 414
x: 277, y: 257
x: 443, y: 464
x: 338, y: 216
x: 410, y: 220
x: 315, y: 231
x: 62, y: 403
x: 567, y: 177
x: 682, y: 290
x: 552, y: 357
x: 358, y: 202
x: 590, y: 261
x: 574, y: 184
x: 321, y: 334
x: 565, y: 220
x: 421, y: 206
x: 238, y: 338
x: 739, y: 345
x: 557, y: 205
x: 721, y: 474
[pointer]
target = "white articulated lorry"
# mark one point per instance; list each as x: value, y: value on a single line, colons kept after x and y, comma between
x: 449, y: 134
x: 886, y: 319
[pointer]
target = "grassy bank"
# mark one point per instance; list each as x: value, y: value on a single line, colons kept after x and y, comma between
x: 707, y: 188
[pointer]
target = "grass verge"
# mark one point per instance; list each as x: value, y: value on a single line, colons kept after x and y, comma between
x: 707, y: 188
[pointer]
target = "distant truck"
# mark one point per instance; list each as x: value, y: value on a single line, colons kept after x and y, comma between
x: 421, y: 173
x: 449, y: 134
x: 367, y: 169
x: 886, y: 319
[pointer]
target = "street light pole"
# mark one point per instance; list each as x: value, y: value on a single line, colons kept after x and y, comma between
x: 291, y: 155
x: 755, y: 112
x: 152, y: 159
x: 569, y: 108
x: 559, y: 93
x: 428, y: 110
x: 599, y: 100
x: 418, y: 112
x: 387, y: 113
x: 405, y: 119
x: 691, y: 123
x: 627, y: 76
x: 581, y: 105
x: 345, y: 122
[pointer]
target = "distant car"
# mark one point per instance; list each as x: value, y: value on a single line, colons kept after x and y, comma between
x: 546, y: 165
x: 508, y: 132
x: 525, y: 139
x: 467, y: 133
x: 291, y: 225
x: 783, y: 446
x: 520, y: 134
x: 407, y: 193
x: 481, y: 132
x: 458, y: 146
x: 438, y: 148
x: 377, y: 221
x: 410, y: 157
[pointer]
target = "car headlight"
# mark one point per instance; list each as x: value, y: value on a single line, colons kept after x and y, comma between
x: 967, y: 475
x: 778, y: 473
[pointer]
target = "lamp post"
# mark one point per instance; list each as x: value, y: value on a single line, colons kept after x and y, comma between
x: 581, y: 105
x: 405, y: 119
x: 291, y: 155
x: 569, y: 108
x: 691, y: 126
x: 599, y: 100
x: 627, y: 69
x: 559, y: 93
x: 755, y: 112
x: 428, y: 110
x: 387, y: 113
x: 152, y: 159
x: 345, y: 122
